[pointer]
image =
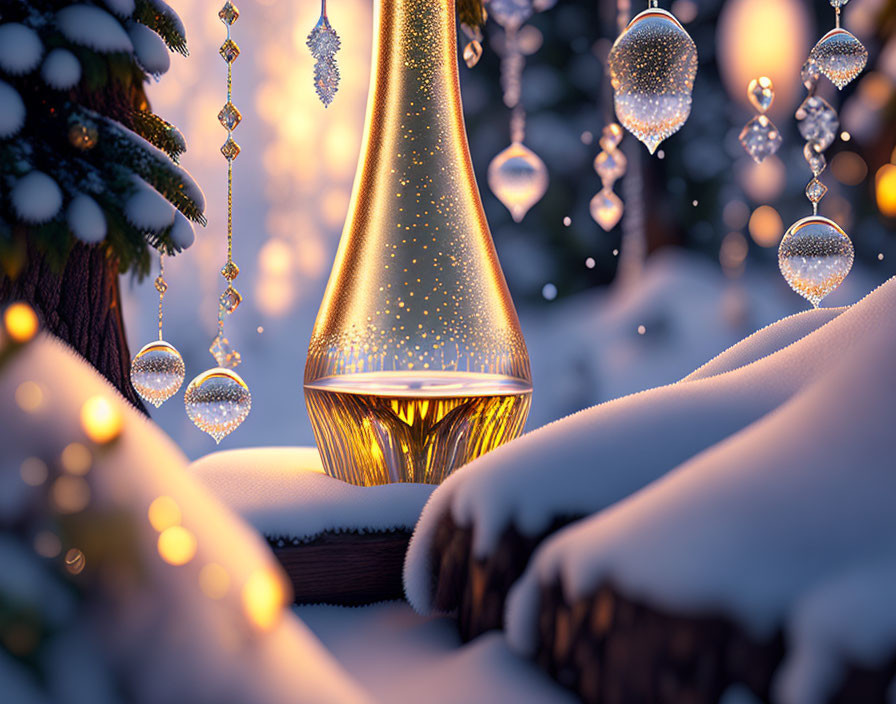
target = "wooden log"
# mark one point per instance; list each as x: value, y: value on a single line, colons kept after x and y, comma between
x: 611, y: 649
x: 476, y: 588
x: 347, y: 569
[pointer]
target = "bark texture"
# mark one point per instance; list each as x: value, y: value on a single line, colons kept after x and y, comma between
x: 81, y: 305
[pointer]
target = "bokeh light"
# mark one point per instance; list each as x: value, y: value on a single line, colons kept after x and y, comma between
x: 849, y: 168
x: 101, y: 420
x: 885, y: 189
x: 177, y: 545
x: 214, y: 581
x: 76, y: 459
x: 164, y: 513
x: 766, y: 226
x: 29, y: 396
x: 20, y: 322
x: 263, y: 598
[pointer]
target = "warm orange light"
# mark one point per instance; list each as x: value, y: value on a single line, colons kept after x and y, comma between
x: 21, y: 322
x: 263, y: 598
x: 849, y: 168
x: 177, y: 545
x: 100, y: 420
x: 164, y: 513
x: 29, y: 396
x: 70, y: 494
x: 34, y: 471
x: 766, y: 226
x: 885, y: 189
x: 214, y: 581
x: 76, y: 459
x: 75, y: 562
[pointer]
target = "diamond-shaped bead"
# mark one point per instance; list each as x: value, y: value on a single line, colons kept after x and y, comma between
x: 818, y: 122
x: 224, y: 353
x: 761, y: 93
x: 229, y: 116
x: 229, y: 14
x: 815, y: 190
x: 229, y: 50
x: 160, y: 284
x: 610, y: 137
x: 606, y: 209
x: 230, y: 271
x: 610, y: 166
x: 815, y: 158
x: 230, y: 149
x: 760, y: 138
x: 230, y: 299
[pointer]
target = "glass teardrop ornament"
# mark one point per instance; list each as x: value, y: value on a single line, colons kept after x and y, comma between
x: 761, y: 93
x: 652, y: 65
x: 839, y: 56
x: 519, y: 178
x: 817, y: 122
x: 157, y: 372
x: 610, y: 166
x: 815, y: 255
x: 218, y: 401
x: 606, y: 209
x: 760, y: 138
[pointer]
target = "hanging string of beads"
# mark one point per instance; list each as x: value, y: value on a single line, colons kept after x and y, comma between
x: 218, y: 400
x: 759, y: 137
x: 815, y: 254
x: 324, y: 43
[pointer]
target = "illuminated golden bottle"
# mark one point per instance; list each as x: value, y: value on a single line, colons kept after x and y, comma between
x: 417, y: 364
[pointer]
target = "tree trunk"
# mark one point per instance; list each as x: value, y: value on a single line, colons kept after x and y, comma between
x: 81, y: 305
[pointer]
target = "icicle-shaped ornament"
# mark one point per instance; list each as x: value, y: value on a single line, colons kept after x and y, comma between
x: 652, y: 65
x: 324, y: 43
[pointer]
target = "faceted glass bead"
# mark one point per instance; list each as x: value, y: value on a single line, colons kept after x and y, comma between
x: 818, y: 122
x: 230, y: 299
x: 519, y: 178
x: 815, y: 255
x: 230, y: 149
x: 228, y: 13
x: 814, y: 158
x: 610, y: 166
x: 224, y: 353
x: 761, y: 93
x: 809, y: 74
x: 815, y: 190
x: 229, y: 50
x: 161, y: 285
x: 230, y: 271
x: 760, y: 138
x: 652, y: 68
x: 229, y: 116
x: 606, y: 209
x: 610, y: 137
x: 510, y: 13
x: 839, y: 56
x: 157, y: 372
x: 218, y: 401
x: 472, y: 53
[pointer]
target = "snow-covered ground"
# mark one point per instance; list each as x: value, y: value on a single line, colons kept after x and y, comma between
x: 400, y: 656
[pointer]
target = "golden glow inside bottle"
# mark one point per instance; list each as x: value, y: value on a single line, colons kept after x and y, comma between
x: 417, y: 364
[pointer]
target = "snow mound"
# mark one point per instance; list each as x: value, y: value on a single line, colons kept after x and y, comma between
x: 94, y: 28
x: 148, y: 209
x: 20, y: 48
x: 169, y: 639
x: 764, y: 342
x: 86, y: 219
x: 149, y: 48
x: 36, y: 197
x: 760, y: 520
x: 12, y: 110
x: 61, y: 69
x: 282, y: 491
x: 590, y: 460
x: 182, y: 233
x: 848, y: 619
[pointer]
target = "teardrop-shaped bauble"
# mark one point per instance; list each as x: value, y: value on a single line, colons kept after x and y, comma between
x: 815, y: 255
x: 218, y: 401
x: 519, y: 178
x: 157, y: 372
x: 652, y: 65
x: 839, y: 56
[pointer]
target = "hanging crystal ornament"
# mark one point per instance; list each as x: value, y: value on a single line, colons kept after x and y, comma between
x: 610, y: 164
x: 218, y: 400
x: 416, y: 364
x: 472, y: 18
x: 157, y: 371
x: 517, y: 176
x: 759, y: 137
x: 838, y: 54
x: 324, y: 43
x: 652, y: 66
x: 815, y: 254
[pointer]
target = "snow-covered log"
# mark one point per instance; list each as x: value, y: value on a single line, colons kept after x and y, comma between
x: 339, y: 543
x: 767, y: 560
